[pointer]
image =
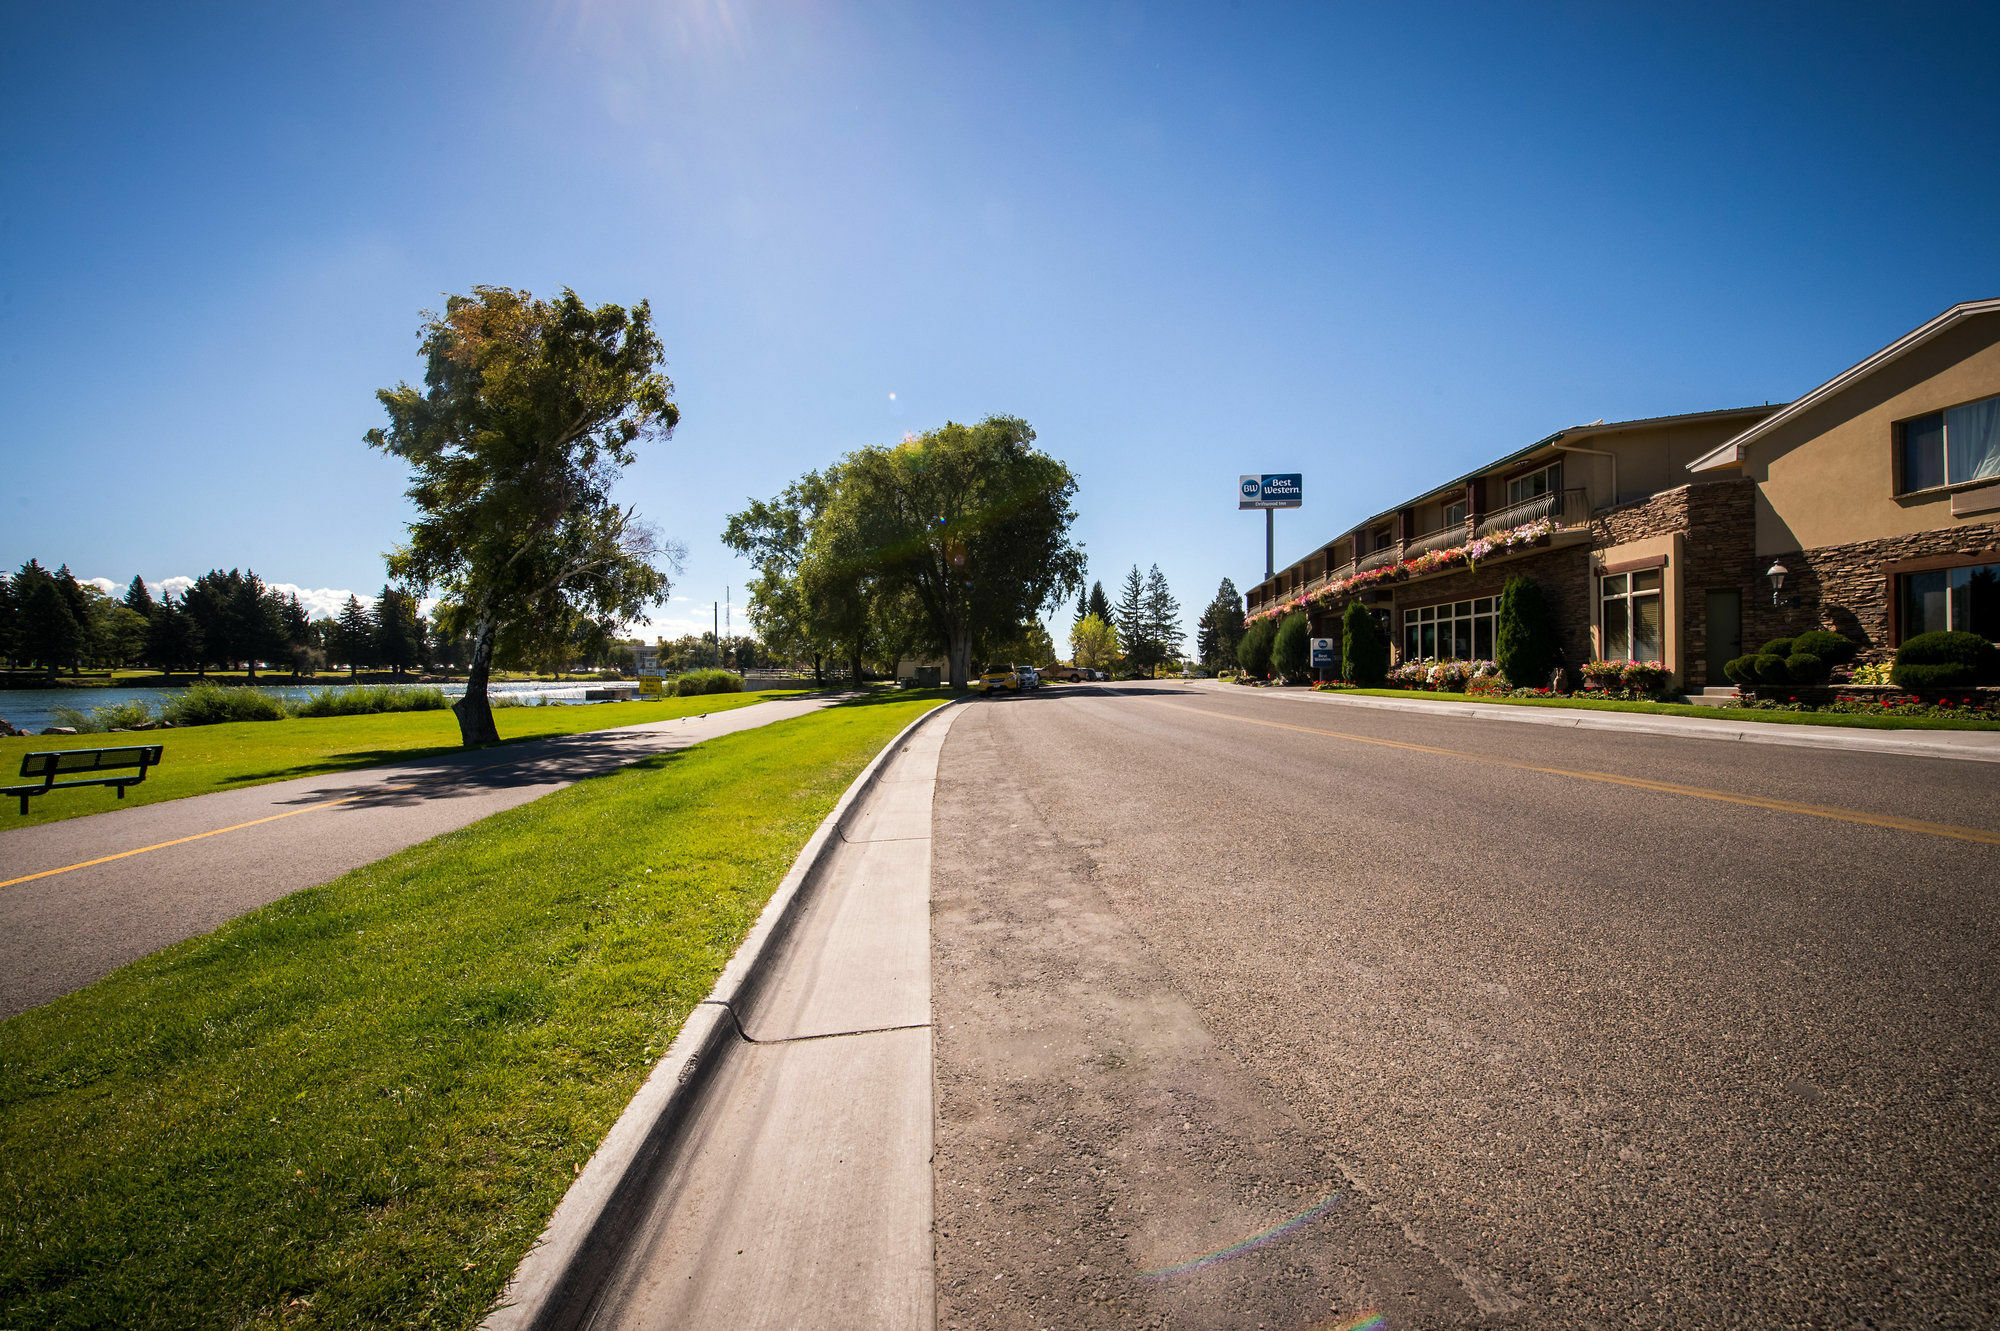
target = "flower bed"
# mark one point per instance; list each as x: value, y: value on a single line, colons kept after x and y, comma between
x: 1442, y: 676
x: 1431, y: 561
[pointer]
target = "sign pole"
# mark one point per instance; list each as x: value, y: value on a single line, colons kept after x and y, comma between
x: 1270, y: 529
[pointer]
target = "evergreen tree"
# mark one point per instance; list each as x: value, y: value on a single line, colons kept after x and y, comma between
x: 1291, y: 647
x: 395, y: 631
x: 1163, y: 617
x: 10, y: 620
x: 1129, y: 617
x: 1082, y: 606
x: 1220, y: 628
x: 47, y: 633
x: 174, y: 640
x: 296, y: 627
x: 1364, y: 657
x: 1525, y: 640
x: 78, y: 603
x: 1253, y: 653
x: 1100, y: 604
x: 357, y: 637
x: 138, y: 598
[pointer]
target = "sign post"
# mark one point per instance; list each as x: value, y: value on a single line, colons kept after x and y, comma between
x: 1270, y: 492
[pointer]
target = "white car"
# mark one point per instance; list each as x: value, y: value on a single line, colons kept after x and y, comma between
x: 1030, y: 677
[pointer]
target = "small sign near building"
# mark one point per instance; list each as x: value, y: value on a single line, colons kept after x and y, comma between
x: 1272, y: 490
x: 1323, y: 656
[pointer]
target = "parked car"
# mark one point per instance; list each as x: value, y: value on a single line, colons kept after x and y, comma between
x: 1063, y: 672
x: 998, y: 679
x: 1029, y: 677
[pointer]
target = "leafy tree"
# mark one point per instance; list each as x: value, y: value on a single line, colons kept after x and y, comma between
x: 1100, y: 604
x: 1291, y: 646
x: 531, y: 410
x: 1364, y: 657
x: 1524, y: 639
x: 118, y: 631
x: 48, y: 634
x: 1028, y: 644
x: 971, y: 521
x: 1253, y: 653
x: 1220, y: 628
x: 1093, y: 643
x: 774, y: 535
x: 355, y: 639
x: 1163, y: 617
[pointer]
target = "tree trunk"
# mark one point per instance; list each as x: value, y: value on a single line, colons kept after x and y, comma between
x: 475, y: 713
x: 819, y: 669
x: 960, y: 653
x: 855, y: 665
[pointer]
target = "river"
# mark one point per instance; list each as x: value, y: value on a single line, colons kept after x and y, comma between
x: 33, y: 709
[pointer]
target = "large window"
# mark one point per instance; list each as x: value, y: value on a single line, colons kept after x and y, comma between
x: 1632, y: 616
x: 1965, y: 599
x: 1458, y: 631
x: 1951, y: 447
x: 1535, y: 484
x: 1454, y: 514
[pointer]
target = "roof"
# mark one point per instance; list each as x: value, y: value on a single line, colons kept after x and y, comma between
x: 1570, y: 435
x: 1731, y: 453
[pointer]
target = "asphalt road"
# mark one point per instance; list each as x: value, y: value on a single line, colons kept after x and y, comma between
x: 209, y: 858
x: 1514, y: 1025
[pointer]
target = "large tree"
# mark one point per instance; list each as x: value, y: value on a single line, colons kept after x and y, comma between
x: 47, y: 633
x: 530, y: 411
x: 776, y: 535
x: 1163, y: 617
x: 1093, y: 643
x: 972, y: 521
x: 1220, y: 628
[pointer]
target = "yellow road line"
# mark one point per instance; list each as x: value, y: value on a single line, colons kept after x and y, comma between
x: 162, y: 845
x: 1635, y: 782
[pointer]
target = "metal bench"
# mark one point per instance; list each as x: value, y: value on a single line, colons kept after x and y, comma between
x: 83, y: 765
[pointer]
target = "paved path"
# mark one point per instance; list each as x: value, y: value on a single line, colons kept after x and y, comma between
x: 60, y: 932
x: 1252, y: 1012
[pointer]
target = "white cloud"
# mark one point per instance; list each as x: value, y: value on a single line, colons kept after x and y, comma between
x: 105, y: 585
x: 174, y: 586
x: 320, y: 602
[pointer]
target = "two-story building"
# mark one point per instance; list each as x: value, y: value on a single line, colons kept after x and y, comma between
x: 1662, y: 539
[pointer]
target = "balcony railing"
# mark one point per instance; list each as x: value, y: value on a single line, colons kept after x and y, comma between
x: 1441, y: 539
x: 1569, y: 508
x: 1388, y: 554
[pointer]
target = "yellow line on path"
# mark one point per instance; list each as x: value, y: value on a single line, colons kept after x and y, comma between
x: 1636, y: 782
x: 162, y: 845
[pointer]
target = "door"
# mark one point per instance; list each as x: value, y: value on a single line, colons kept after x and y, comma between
x: 1725, y: 632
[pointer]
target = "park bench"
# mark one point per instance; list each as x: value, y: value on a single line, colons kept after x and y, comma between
x: 85, y: 767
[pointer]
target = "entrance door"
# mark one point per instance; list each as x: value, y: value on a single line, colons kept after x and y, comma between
x: 1725, y: 632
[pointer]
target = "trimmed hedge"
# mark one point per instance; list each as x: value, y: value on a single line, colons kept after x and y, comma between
x: 1832, y: 648
x: 1805, y: 668
x: 1770, y: 668
x: 1945, y: 661
x: 1291, y: 649
x: 697, y: 682
x: 1254, y: 652
x: 1775, y: 647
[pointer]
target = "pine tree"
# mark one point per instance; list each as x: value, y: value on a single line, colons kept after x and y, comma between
x: 138, y: 598
x: 48, y: 634
x: 395, y: 630
x: 1129, y: 617
x: 78, y: 602
x: 1100, y: 604
x: 1082, y: 606
x: 1163, y: 617
x: 356, y: 636
x: 1220, y: 628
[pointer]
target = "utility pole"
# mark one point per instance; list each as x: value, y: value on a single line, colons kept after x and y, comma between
x: 727, y: 627
x: 715, y: 613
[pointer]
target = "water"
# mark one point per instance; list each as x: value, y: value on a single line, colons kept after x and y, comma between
x: 32, y: 709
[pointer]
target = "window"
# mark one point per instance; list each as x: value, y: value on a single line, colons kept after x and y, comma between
x: 1535, y: 484
x: 1456, y: 631
x: 1951, y: 447
x: 1454, y: 514
x: 1384, y: 537
x: 1631, y: 616
x: 1964, y: 599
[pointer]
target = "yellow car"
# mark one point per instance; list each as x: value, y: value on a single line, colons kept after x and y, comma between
x: 998, y: 679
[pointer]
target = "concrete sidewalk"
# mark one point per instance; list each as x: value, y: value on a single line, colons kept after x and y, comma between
x: 206, y: 859
x: 791, y: 1186
x: 1964, y: 745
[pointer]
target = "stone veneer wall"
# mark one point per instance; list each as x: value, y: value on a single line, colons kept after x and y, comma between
x: 1843, y: 588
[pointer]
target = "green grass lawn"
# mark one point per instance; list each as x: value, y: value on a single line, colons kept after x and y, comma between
x: 199, y: 759
x: 358, y: 1106
x: 1862, y: 722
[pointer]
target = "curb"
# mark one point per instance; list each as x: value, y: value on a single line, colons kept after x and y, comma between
x: 552, y: 1287
x: 1975, y: 748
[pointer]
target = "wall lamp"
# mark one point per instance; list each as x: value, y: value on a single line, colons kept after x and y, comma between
x: 1776, y: 573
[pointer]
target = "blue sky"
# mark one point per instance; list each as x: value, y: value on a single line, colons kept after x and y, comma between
x: 1373, y: 244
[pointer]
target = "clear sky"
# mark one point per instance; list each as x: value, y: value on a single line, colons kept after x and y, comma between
x: 1374, y: 244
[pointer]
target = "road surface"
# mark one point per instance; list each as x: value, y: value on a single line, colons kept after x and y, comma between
x: 1252, y: 1009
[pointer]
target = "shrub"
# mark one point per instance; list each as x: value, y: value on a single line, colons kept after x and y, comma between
x: 111, y: 716
x: 1254, y: 652
x: 1364, y: 657
x: 697, y: 682
x: 1876, y: 672
x: 1649, y: 677
x: 1291, y: 647
x: 205, y: 703
x: 1526, y: 648
x: 1945, y: 661
x: 364, y: 699
x: 1770, y: 668
x: 1603, y: 674
x: 1741, y: 671
x: 1832, y: 648
x: 1776, y: 647
x: 1805, y: 668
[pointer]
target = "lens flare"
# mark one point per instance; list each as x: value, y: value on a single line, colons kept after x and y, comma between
x: 1251, y: 1244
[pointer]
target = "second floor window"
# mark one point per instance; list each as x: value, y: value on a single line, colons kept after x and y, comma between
x: 1952, y: 446
x: 1454, y: 515
x: 1535, y: 484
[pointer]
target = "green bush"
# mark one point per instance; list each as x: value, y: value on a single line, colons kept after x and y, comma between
x: 1776, y: 647
x: 697, y: 682
x: 205, y: 703
x: 1770, y: 668
x: 111, y: 716
x: 364, y: 699
x: 1291, y: 647
x: 1741, y: 671
x: 1364, y: 657
x: 1805, y: 668
x: 1254, y: 652
x: 1945, y: 661
x: 1526, y: 646
x: 1832, y: 648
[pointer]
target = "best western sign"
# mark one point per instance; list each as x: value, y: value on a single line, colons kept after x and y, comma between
x: 1282, y: 491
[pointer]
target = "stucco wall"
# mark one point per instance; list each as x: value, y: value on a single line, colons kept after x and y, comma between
x: 1829, y: 478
